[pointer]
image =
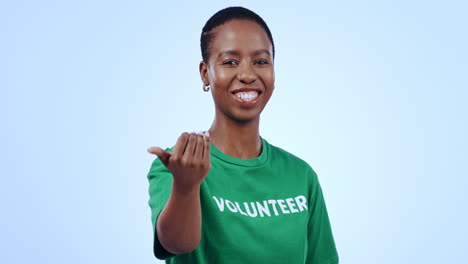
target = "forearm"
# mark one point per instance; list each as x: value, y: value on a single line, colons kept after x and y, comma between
x: 179, y: 224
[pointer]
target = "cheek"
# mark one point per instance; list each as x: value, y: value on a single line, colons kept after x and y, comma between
x: 269, y: 78
x: 220, y: 76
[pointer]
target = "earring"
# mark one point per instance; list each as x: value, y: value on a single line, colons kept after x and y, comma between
x: 206, y: 88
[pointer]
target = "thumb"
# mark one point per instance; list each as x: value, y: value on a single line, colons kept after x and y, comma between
x: 162, y: 154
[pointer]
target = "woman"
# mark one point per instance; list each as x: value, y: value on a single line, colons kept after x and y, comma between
x: 227, y: 195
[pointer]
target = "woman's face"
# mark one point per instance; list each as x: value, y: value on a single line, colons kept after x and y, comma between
x: 240, y: 70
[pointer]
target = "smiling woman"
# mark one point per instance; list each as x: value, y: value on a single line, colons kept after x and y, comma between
x: 276, y: 212
x: 240, y: 70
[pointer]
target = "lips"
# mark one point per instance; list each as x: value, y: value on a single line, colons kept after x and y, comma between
x: 247, y: 96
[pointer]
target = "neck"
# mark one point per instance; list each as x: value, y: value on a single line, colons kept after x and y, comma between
x: 235, y: 139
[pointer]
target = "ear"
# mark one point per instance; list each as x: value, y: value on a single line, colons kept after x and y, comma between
x: 204, y: 73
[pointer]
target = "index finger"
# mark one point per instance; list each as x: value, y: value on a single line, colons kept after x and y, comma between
x: 206, y: 147
x: 180, y: 145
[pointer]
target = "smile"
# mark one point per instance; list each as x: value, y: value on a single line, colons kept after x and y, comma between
x: 247, y: 98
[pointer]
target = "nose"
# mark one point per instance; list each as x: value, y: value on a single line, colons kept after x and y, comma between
x: 246, y: 73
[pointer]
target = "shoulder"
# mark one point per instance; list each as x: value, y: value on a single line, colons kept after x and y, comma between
x: 279, y: 155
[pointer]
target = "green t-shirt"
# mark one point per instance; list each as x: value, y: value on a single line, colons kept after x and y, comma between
x: 269, y: 209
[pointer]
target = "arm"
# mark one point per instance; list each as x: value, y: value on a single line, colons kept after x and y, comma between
x: 321, y: 244
x: 178, y: 227
x: 179, y: 224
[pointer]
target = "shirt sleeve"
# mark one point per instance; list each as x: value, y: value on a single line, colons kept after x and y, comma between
x: 160, y: 184
x: 321, y: 248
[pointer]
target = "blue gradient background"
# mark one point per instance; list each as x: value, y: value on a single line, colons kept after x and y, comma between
x: 372, y: 94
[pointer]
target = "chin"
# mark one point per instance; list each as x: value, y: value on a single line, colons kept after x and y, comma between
x: 245, y: 118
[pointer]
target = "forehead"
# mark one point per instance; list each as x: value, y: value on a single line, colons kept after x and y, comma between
x: 240, y: 35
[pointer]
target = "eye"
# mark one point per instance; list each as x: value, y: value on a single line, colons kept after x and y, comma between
x: 261, y: 62
x: 230, y: 62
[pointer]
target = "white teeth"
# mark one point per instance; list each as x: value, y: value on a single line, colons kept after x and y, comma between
x: 247, y: 96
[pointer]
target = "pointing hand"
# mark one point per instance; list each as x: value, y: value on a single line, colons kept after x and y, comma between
x: 189, y: 161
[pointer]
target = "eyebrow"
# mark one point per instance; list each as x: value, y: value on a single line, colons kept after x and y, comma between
x: 237, y: 53
x: 257, y: 52
x: 229, y: 52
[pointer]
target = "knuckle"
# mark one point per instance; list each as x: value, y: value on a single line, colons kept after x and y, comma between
x: 184, y: 162
x: 206, y: 165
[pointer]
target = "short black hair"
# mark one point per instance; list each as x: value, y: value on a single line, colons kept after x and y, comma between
x: 223, y: 16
